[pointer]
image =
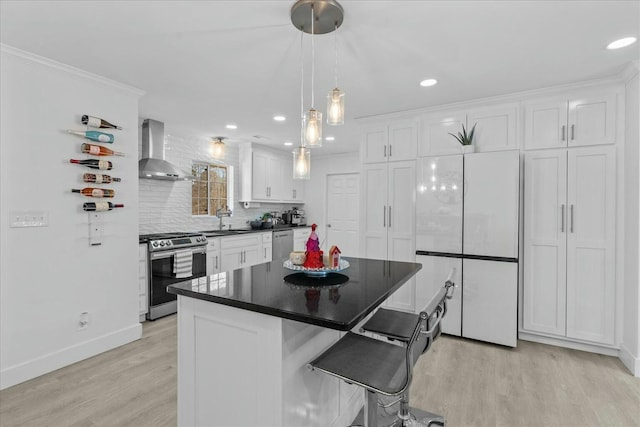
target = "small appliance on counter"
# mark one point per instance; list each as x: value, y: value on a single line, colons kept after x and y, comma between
x: 297, y: 217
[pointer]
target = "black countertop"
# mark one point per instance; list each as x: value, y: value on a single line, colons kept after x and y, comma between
x: 262, y: 289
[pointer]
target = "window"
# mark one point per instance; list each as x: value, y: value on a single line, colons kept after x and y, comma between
x: 210, y: 190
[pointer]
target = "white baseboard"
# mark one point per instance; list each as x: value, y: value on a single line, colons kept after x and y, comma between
x: 66, y: 356
x: 630, y: 361
x: 607, y: 351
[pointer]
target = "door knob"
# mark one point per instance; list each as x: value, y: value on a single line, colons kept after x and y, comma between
x: 328, y: 225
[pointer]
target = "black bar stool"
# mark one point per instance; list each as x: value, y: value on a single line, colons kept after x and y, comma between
x: 385, y: 368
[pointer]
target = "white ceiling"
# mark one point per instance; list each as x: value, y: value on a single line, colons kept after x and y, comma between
x: 204, y: 64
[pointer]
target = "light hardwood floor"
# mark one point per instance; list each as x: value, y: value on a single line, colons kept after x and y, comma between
x: 471, y: 383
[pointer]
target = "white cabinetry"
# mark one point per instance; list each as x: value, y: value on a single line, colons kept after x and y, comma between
x: 495, y: 130
x: 300, y: 237
x: 266, y: 249
x: 394, y: 142
x: 143, y: 281
x: 267, y: 176
x: 577, y: 121
x: 213, y: 255
x: 389, y: 220
x: 569, y: 279
x: 240, y: 251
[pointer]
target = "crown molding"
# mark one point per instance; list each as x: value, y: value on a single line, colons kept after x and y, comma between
x: 69, y: 69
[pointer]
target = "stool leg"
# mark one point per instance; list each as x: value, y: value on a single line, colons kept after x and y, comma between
x: 370, y: 409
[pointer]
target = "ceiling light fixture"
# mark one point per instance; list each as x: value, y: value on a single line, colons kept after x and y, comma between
x: 330, y: 138
x: 335, y: 99
x: 279, y: 118
x: 288, y: 143
x: 428, y: 82
x: 231, y: 126
x: 618, y: 44
x: 315, y: 17
x: 301, y: 155
x: 217, y: 147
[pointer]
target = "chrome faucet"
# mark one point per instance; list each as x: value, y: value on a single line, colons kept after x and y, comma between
x: 220, y: 213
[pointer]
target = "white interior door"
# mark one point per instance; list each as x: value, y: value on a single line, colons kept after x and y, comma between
x: 545, y: 241
x: 343, y: 213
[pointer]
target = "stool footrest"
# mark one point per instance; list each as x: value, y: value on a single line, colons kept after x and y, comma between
x: 419, y: 418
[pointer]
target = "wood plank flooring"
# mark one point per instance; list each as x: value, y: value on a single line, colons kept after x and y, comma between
x: 471, y: 383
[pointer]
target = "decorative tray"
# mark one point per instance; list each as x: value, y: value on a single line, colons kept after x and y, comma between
x: 319, y: 272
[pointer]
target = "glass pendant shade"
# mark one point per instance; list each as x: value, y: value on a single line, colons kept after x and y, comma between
x: 313, y: 128
x: 335, y: 107
x: 301, y: 163
x: 217, y: 149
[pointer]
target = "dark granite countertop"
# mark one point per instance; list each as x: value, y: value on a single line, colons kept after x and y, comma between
x: 262, y: 288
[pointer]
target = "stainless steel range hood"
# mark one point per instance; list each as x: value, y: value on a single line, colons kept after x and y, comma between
x: 153, y: 165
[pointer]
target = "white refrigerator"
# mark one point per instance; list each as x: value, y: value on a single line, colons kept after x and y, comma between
x: 467, y: 218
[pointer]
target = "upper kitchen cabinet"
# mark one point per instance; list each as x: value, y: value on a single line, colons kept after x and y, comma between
x: 266, y: 176
x: 495, y: 130
x: 570, y: 121
x: 395, y: 141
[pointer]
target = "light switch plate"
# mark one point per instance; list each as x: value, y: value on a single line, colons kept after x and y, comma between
x: 21, y: 219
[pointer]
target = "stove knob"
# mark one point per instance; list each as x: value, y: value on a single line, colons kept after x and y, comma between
x: 162, y: 243
x: 199, y: 239
x: 169, y: 243
x: 204, y: 238
x: 154, y: 244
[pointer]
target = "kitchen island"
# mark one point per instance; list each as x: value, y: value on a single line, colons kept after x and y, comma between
x: 245, y: 337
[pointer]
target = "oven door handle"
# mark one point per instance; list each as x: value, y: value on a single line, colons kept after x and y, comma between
x: 170, y: 253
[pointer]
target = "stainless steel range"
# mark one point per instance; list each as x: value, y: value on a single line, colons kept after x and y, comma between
x: 173, y: 258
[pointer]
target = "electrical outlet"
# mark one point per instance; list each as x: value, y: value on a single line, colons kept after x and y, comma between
x: 84, y: 320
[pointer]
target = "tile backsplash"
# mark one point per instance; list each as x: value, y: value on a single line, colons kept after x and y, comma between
x: 165, y: 206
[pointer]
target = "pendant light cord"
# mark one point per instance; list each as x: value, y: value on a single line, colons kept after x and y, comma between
x: 313, y: 56
x: 302, y: 142
x: 335, y: 47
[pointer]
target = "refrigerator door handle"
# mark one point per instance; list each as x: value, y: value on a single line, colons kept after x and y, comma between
x: 562, y: 219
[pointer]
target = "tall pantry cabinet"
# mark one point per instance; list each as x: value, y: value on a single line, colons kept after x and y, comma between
x: 389, y: 197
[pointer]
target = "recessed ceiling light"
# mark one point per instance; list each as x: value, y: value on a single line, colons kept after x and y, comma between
x: 621, y: 43
x: 428, y: 82
x: 330, y: 138
x: 231, y: 126
x: 288, y: 144
x: 279, y: 118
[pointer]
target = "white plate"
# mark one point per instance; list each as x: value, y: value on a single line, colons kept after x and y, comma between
x: 344, y: 264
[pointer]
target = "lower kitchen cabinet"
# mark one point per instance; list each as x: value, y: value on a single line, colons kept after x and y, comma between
x: 143, y: 282
x: 213, y: 255
x: 490, y: 301
x: 266, y: 247
x: 245, y: 250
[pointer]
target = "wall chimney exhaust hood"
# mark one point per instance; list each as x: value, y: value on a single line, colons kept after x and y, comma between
x: 153, y: 165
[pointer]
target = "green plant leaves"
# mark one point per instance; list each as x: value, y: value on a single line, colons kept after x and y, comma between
x: 463, y: 138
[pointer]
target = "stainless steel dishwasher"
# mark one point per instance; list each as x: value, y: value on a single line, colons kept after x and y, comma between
x: 282, y: 244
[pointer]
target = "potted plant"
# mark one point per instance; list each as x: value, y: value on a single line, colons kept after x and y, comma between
x: 465, y: 139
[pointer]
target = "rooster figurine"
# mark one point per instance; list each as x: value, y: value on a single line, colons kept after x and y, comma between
x: 314, y: 254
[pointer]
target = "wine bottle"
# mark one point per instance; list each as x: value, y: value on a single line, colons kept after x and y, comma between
x: 99, y: 178
x: 94, y: 135
x: 100, y: 206
x: 94, y: 163
x: 96, y: 122
x: 98, y: 150
x: 95, y: 192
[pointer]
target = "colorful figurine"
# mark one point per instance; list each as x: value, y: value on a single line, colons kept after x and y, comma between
x: 314, y: 254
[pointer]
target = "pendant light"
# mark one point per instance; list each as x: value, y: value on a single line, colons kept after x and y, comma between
x: 302, y: 155
x: 217, y: 147
x: 313, y: 118
x: 335, y: 99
